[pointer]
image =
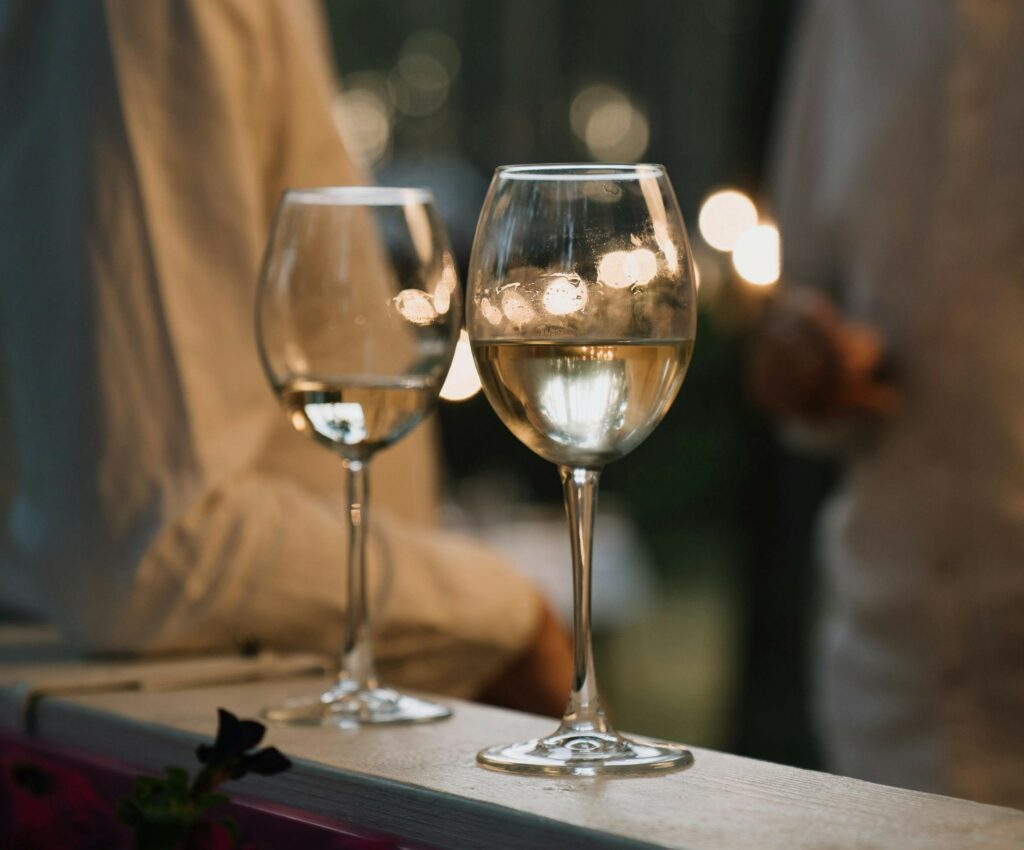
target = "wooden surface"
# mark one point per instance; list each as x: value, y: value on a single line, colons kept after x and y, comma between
x: 422, y: 783
x: 34, y: 665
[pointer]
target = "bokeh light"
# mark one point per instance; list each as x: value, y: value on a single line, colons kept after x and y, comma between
x: 463, y: 380
x: 757, y: 255
x: 416, y: 306
x: 564, y: 295
x: 609, y: 124
x: 437, y: 44
x: 490, y: 312
x: 445, y: 286
x: 619, y: 269
x: 724, y: 216
x: 423, y: 75
x: 515, y: 306
x: 363, y: 114
x: 442, y: 298
x: 418, y: 86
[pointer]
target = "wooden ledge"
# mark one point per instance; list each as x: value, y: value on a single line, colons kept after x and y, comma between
x: 421, y: 783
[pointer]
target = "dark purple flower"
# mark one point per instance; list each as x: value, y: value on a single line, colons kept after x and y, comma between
x: 230, y: 758
x: 234, y: 738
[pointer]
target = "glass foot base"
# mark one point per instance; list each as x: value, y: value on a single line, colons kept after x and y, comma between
x: 348, y: 707
x: 592, y: 754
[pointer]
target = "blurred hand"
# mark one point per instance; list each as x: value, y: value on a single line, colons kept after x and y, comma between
x: 808, y: 363
x: 538, y: 680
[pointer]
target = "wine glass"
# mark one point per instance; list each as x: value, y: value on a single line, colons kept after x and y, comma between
x: 582, y: 315
x: 357, y: 318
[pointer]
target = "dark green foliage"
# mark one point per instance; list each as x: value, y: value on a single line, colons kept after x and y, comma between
x: 170, y: 813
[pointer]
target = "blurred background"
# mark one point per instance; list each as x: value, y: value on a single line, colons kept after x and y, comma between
x: 704, y: 594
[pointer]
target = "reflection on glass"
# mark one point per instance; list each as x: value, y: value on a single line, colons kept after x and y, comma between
x: 339, y: 422
x: 619, y: 269
x: 491, y: 313
x: 583, y: 401
x: 417, y: 307
x: 564, y: 295
x: 515, y: 307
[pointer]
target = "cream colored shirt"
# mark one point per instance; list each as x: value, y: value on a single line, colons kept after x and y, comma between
x: 155, y: 498
x: 900, y: 186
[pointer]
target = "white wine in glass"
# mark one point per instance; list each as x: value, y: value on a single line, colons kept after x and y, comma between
x: 357, y: 418
x: 357, y: 318
x: 582, y: 316
x: 580, y: 403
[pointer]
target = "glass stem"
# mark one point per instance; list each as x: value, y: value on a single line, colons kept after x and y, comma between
x: 584, y: 714
x: 357, y: 655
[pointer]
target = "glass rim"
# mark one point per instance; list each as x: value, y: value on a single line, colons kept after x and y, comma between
x: 362, y: 196
x: 576, y: 171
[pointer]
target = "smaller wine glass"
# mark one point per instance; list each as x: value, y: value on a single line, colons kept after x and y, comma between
x: 357, y: 317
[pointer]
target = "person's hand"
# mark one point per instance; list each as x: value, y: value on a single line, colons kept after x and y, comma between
x: 808, y: 363
x: 538, y: 680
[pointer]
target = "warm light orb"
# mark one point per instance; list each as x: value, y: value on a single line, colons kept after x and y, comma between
x: 363, y: 116
x: 643, y: 265
x: 609, y: 123
x: 416, y: 306
x: 445, y: 287
x: 619, y: 269
x: 613, y: 270
x: 423, y: 75
x: 463, y: 380
x: 449, y: 276
x: 442, y: 298
x: 724, y: 216
x: 490, y: 312
x: 757, y: 255
x: 515, y: 307
x: 564, y: 295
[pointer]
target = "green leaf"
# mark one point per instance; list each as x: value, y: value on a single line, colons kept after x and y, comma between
x: 163, y: 813
x: 146, y: 787
x: 211, y: 799
x: 129, y: 813
x: 177, y: 781
x: 232, y: 827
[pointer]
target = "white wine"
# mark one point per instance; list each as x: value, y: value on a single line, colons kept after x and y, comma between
x: 357, y: 417
x: 582, y: 403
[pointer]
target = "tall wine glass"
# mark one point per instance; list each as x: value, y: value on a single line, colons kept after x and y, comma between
x: 357, y: 318
x: 582, y: 315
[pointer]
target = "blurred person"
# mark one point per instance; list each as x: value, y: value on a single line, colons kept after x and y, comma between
x: 899, y: 189
x: 154, y: 497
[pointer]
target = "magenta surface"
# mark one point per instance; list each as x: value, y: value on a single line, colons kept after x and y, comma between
x: 67, y: 799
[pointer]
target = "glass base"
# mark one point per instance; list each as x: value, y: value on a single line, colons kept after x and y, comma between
x: 346, y: 706
x: 586, y: 754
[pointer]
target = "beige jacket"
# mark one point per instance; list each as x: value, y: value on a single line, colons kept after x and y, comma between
x: 154, y: 497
